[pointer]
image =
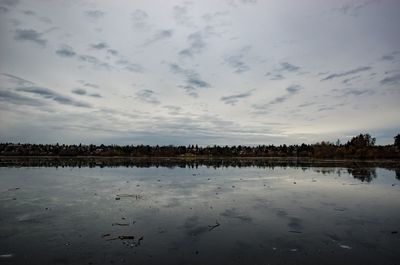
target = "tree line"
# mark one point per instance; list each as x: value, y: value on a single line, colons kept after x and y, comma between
x: 361, y: 146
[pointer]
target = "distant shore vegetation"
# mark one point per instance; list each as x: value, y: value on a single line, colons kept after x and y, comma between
x: 361, y: 146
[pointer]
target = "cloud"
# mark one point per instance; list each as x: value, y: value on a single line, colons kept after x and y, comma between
x: 79, y: 91
x: 196, y: 44
x: 147, y: 96
x: 181, y: 17
x: 356, y: 92
x: 131, y: 67
x: 351, y: 8
x: 195, y: 80
x: 293, y: 89
x: 139, y: 18
x: 3, y: 9
x: 233, y: 99
x: 18, y: 80
x: 29, y: 35
x: 159, y: 35
x: 95, y: 95
x: 390, y: 56
x: 87, y: 84
x: 391, y: 80
x: 290, y: 91
x: 190, y: 90
x: 285, y: 66
x: 236, y: 61
x: 99, y: 46
x: 249, y: 1
x: 350, y: 72
x: 213, y: 16
x: 10, y: 3
x: 49, y: 94
x: 95, y: 14
x: 95, y: 62
x: 192, y: 79
x: 65, y: 51
x: 15, y: 98
x: 112, y: 52
x: 275, y: 76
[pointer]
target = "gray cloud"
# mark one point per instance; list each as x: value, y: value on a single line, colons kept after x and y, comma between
x: 352, y: 8
x: 195, y: 80
x: 290, y: 91
x: 190, y: 90
x: 390, y: 56
x: 95, y: 95
x: 3, y: 9
x: 95, y: 62
x: 29, y: 35
x: 99, y: 46
x: 213, y: 16
x: 15, y: 98
x: 181, y: 17
x: 65, y: 51
x: 147, y: 96
x: 139, y: 18
x: 236, y: 61
x: 131, y: 67
x: 274, y: 76
x: 249, y: 1
x: 79, y: 91
x: 356, y: 92
x: 87, y: 84
x: 350, y: 72
x: 285, y: 66
x: 196, y: 44
x: 293, y: 89
x: 29, y: 13
x: 95, y: 14
x: 160, y: 35
x: 49, y: 94
x: 112, y: 52
x: 192, y: 79
x: 391, y: 80
x: 17, y: 80
x: 11, y: 3
x: 233, y: 99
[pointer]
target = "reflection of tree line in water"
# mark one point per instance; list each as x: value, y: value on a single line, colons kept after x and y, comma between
x: 362, y: 170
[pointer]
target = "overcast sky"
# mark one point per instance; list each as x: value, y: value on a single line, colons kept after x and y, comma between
x: 198, y: 72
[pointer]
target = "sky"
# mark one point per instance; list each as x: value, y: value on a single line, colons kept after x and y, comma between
x: 224, y: 72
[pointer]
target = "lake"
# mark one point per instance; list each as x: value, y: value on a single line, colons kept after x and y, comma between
x: 220, y: 211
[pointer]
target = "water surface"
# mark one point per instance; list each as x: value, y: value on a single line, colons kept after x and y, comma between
x: 199, y: 212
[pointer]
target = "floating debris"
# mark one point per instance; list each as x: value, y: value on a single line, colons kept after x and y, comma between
x: 294, y: 231
x: 7, y: 256
x: 122, y: 238
x: 119, y: 224
x: 212, y: 227
x: 293, y: 250
x: 117, y: 198
x: 394, y: 232
x: 105, y: 235
x: 136, y: 196
x: 344, y: 246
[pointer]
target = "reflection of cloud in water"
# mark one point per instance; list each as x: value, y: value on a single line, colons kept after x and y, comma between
x: 234, y: 213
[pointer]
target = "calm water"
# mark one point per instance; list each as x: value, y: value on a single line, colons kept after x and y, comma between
x: 199, y: 213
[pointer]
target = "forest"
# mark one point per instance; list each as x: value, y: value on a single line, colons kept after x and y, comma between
x: 361, y: 146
